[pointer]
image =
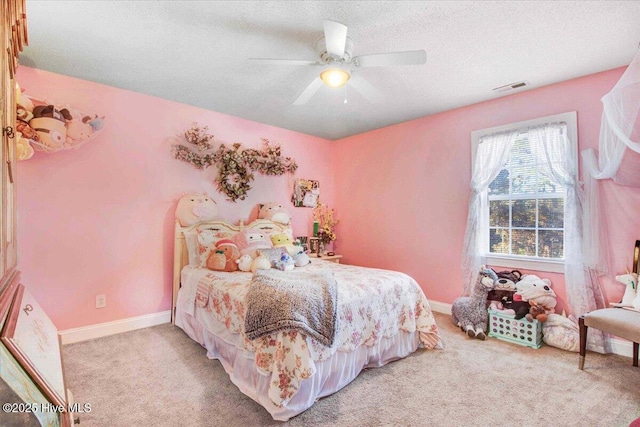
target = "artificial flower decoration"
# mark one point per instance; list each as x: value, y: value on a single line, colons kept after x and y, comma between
x: 325, y: 217
x: 235, y: 165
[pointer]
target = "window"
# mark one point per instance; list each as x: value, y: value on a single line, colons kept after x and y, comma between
x: 521, y: 218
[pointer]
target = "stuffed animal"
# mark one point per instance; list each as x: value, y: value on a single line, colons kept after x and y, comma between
x: 216, y: 260
x: 244, y: 263
x: 301, y: 259
x: 195, y: 208
x: 24, y: 150
x: 503, y: 290
x: 77, y: 131
x: 50, y: 123
x: 283, y: 240
x: 286, y: 263
x: 562, y: 332
x: 231, y: 254
x: 630, y: 280
x: 261, y: 262
x: 533, y: 289
x: 470, y: 312
x: 249, y: 241
x: 275, y: 212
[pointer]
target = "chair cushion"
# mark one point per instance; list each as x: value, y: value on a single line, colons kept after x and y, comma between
x: 616, y: 321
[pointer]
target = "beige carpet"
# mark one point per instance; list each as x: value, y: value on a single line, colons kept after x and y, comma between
x: 159, y: 377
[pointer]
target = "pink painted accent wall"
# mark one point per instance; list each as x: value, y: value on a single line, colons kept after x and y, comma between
x: 99, y: 219
x: 402, y: 192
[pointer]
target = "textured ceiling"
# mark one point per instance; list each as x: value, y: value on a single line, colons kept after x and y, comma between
x: 195, y: 52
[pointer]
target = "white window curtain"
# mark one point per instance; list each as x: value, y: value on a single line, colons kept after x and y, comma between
x: 619, y: 132
x: 554, y: 152
x: 491, y: 154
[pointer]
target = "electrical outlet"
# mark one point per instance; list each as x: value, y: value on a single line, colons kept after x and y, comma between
x: 101, y: 301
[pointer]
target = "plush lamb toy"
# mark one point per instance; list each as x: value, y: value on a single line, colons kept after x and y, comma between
x: 470, y: 313
x: 275, y: 212
x: 195, y: 208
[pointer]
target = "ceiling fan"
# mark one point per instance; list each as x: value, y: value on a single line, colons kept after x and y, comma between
x: 337, y: 65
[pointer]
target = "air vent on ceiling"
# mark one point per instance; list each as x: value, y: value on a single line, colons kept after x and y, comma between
x: 510, y: 87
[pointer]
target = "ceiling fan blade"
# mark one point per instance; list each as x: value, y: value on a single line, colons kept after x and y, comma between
x: 284, y: 61
x: 365, y: 89
x: 410, y: 57
x: 310, y: 90
x: 335, y: 36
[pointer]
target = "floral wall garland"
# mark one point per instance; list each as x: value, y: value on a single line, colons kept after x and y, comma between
x: 235, y: 164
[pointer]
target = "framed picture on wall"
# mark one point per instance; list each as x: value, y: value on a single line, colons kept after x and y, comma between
x: 305, y: 193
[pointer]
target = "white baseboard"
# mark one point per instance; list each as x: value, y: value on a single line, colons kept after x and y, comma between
x: 69, y: 336
x: 440, y: 307
x: 618, y: 346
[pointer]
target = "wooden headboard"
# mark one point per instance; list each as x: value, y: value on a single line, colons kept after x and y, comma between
x: 181, y: 256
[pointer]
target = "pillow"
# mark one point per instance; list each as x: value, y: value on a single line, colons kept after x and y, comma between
x: 206, y: 240
x: 272, y: 254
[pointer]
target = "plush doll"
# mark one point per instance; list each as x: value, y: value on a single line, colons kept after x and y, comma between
x: 195, y: 208
x: 503, y: 290
x: 261, y: 262
x: 50, y: 123
x: 630, y: 280
x: 27, y: 131
x: 77, y: 131
x: 216, y: 260
x: 244, y: 263
x: 470, y: 312
x: 301, y: 259
x: 283, y: 240
x: 249, y: 241
x: 24, y: 150
x: 532, y: 289
x: 286, y: 262
x: 231, y: 254
x: 275, y: 212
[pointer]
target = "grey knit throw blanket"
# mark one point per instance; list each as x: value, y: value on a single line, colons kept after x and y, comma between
x: 280, y: 300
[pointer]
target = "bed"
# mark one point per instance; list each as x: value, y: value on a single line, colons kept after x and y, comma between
x: 380, y: 316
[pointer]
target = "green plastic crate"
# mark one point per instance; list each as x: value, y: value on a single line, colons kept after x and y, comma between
x: 505, y: 327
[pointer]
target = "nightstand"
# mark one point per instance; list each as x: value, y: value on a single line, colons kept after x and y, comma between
x: 332, y: 258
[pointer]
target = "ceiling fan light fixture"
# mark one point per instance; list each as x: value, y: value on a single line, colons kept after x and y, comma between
x: 335, y: 77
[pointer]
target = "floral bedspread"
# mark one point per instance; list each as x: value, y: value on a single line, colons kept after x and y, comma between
x: 372, y: 304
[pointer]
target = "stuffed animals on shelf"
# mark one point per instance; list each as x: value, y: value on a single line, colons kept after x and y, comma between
x: 195, y: 208
x: 50, y: 128
x: 470, y: 312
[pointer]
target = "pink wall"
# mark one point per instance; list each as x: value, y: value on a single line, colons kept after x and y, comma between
x: 403, y: 191
x: 99, y: 220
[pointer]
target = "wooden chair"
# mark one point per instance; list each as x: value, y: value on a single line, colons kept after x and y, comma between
x: 620, y: 322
